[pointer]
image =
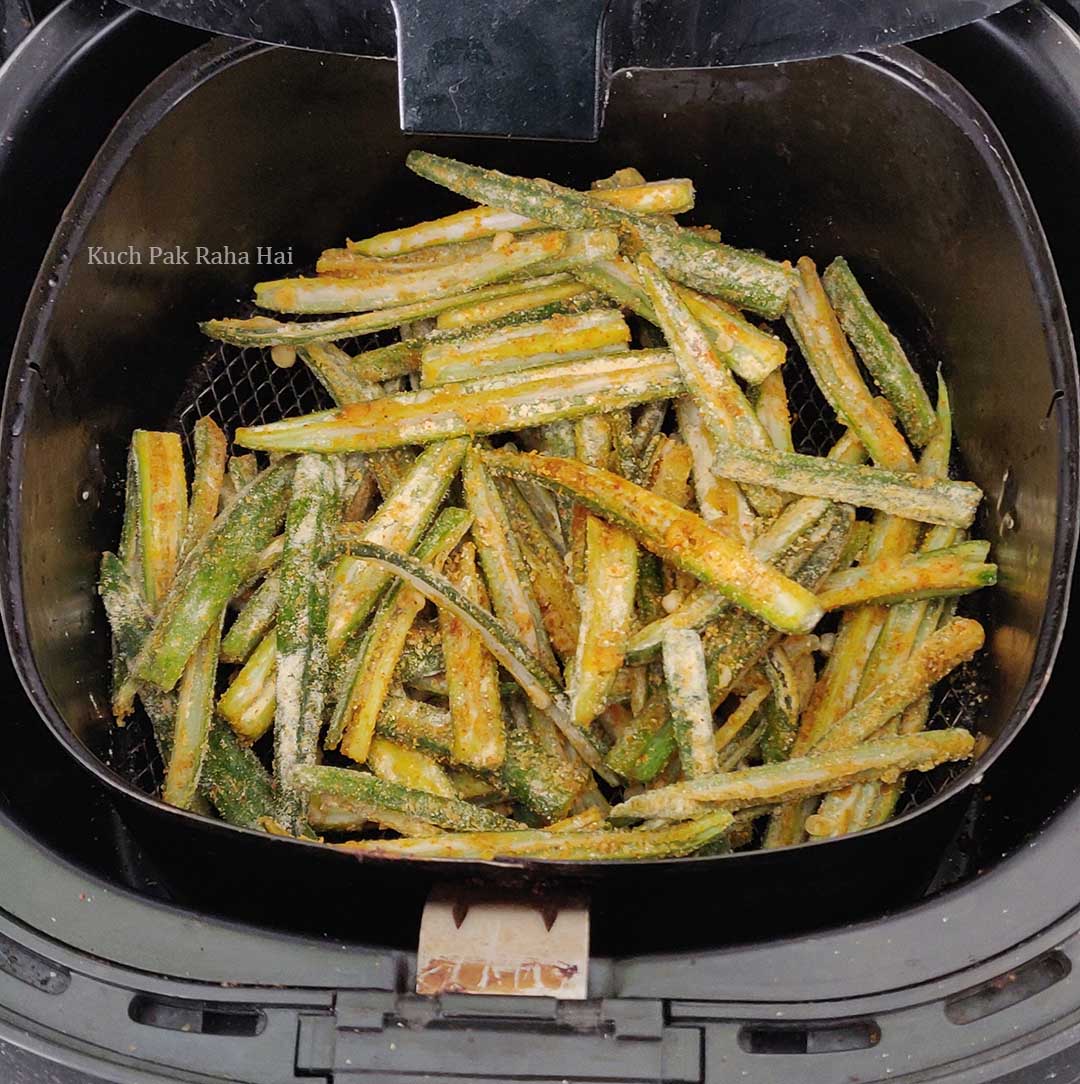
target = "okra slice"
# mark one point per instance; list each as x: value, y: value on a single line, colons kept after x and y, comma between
x: 476, y: 407
x: 248, y: 704
x: 904, y: 494
x: 551, y: 585
x: 505, y: 571
x: 252, y: 622
x: 366, y: 680
x: 598, y: 845
x: 735, y: 725
x: 210, y: 455
x: 781, y: 710
x: 408, y: 768
x: 536, y: 777
x: 674, y: 534
x: 398, y: 524
x: 397, y: 289
x: 941, y: 653
x: 836, y: 372
x: 688, y: 699
x: 329, y: 813
x: 266, y: 331
x: 360, y: 786
x: 340, y: 374
x: 524, y: 346
x: 880, y: 351
x: 163, y: 501
x: 799, y: 777
x: 225, y: 559
x: 302, y: 662
x: 771, y: 406
x: 352, y: 263
x: 478, y: 735
x: 422, y: 654
x: 956, y: 570
x: 749, y: 280
x: 656, y: 197
x: 242, y: 471
x: 486, y: 312
x: 607, y: 614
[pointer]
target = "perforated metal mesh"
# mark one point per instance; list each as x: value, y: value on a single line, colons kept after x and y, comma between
x: 239, y: 387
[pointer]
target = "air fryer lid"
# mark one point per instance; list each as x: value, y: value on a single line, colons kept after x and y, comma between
x: 539, y: 68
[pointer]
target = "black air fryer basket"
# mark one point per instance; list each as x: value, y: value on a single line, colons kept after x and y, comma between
x: 883, y: 157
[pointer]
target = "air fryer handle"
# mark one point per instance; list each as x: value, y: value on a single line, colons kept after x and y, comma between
x: 527, y: 68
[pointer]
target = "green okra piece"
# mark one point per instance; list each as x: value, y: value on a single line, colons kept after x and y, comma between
x: 880, y: 351
x: 233, y: 780
x: 252, y: 622
x: 210, y: 455
x: 302, y: 660
x: 562, y: 297
x: 748, y: 280
x: 535, y: 777
x: 597, y: 845
x: 907, y: 495
x: 939, y: 654
x: 340, y: 374
x: 781, y: 709
x: 648, y: 425
x: 242, y: 471
x: 955, y: 570
x: 655, y: 197
x: 422, y: 654
x: 494, y: 404
x: 674, y: 534
x: 408, y: 768
x: 836, y: 372
x: 216, y: 568
x: 328, y: 813
x: 395, y: 289
x: 163, y: 501
x: 522, y: 346
x: 624, y: 456
x: 551, y: 585
x: 799, y: 777
x: 797, y: 530
x: 856, y: 544
x: 366, y: 680
x: 352, y: 263
x: 688, y: 700
x: 398, y: 524
x: 505, y: 571
x: 360, y: 786
x: 249, y: 703
x: 265, y: 331
x: 771, y: 406
x: 607, y: 613
x: 417, y: 724
x: 129, y: 531
x: 523, y: 666
x: 636, y: 754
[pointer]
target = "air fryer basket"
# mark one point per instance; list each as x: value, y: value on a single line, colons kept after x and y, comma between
x: 882, y: 158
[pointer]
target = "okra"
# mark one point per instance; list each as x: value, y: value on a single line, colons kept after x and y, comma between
x: 835, y: 371
x: 799, y: 777
x: 749, y: 280
x: 266, y: 331
x: 206, y: 483
x: 744, y: 713
x: 486, y: 312
x: 880, y: 351
x: 408, y: 768
x: 352, y: 263
x: 955, y: 570
x: 674, y: 534
x: 522, y: 346
x: 781, y: 710
x: 252, y: 622
x: 688, y: 699
x: 366, y: 679
x: 248, y: 704
x: 340, y: 374
x: 476, y: 407
x: 422, y: 655
x: 606, y: 617
x: 398, y: 289
x: 359, y: 786
x: 329, y: 813
x: 657, y: 197
x: 904, y: 494
x: 242, y: 470
x: 159, y: 465
x: 771, y: 406
x: 225, y: 559
x: 536, y: 777
x: 505, y: 572
x: 940, y: 653
x: 302, y: 662
x: 601, y: 845
x: 398, y: 524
